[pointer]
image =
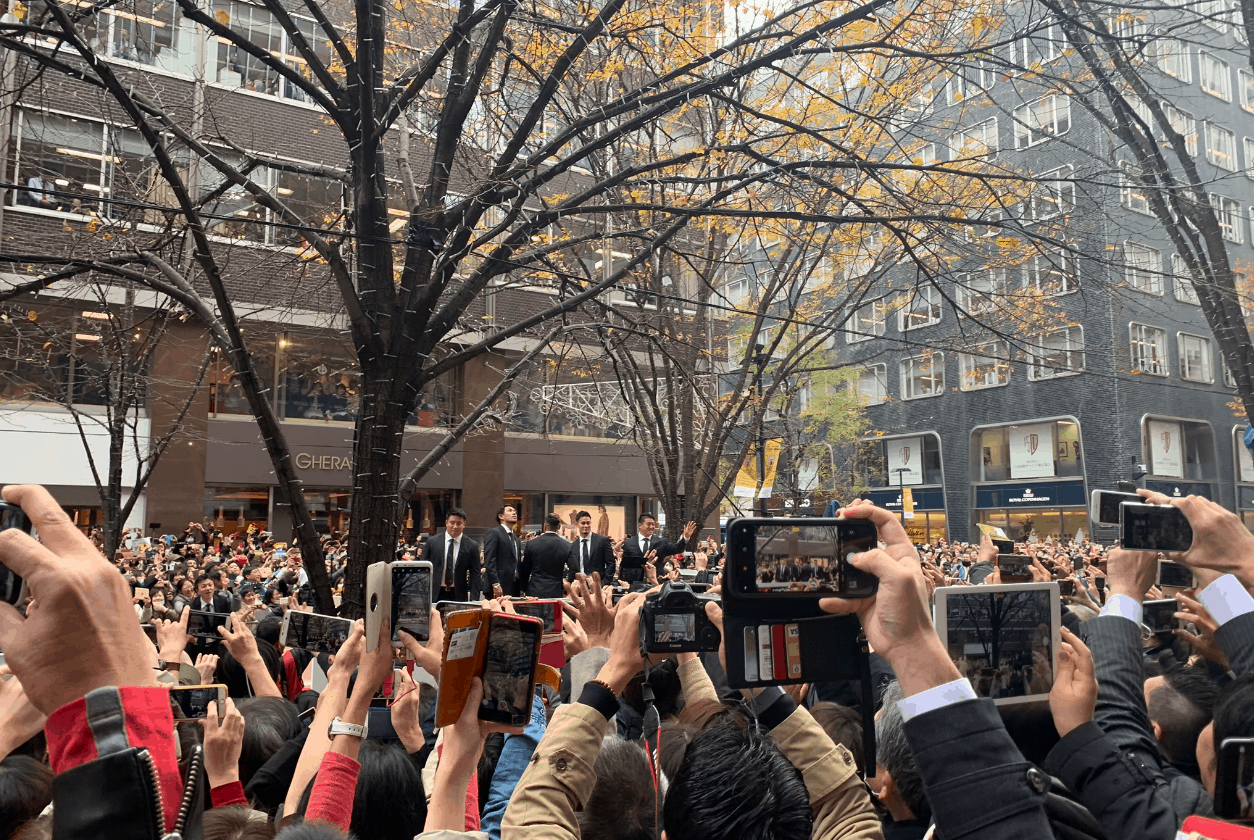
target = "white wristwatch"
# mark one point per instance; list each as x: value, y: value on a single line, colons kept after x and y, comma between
x: 339, y: 727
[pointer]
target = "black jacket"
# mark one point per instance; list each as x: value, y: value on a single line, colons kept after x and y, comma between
x: 467, y: 584
x: 543, y: 566
x: 964, y: 747
x: 1236, y: 639
x: 501, y: 553
x: 600, y: 558
x: 633, y: 557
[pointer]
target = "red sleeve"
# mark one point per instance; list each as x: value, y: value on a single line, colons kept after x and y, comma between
x: 472, y: 803
x: 331, y: 799
x: 110, y: 720
x: 231, y: 793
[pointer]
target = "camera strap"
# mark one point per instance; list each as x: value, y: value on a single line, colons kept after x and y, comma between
x: 652, y: 732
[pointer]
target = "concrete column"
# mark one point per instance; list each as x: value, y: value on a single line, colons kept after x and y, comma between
x: 176, y: 490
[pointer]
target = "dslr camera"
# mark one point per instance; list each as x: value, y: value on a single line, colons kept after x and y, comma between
x: 673, y: 620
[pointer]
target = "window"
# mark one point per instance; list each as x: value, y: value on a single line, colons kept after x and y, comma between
x: 736, y: 291
x: 923, y: 376
x: 978, y: 141
x: 956, y: 89
x: 871, y: 384
x: 1228, y: 216
x: 1040, y: 46
x: 1247, y: 145
x: 1246, y: 81
x: 1221, y: 146
x: 1181, y: 122
x: 1053, y: 196
x: 1229, y: 379
x: 978, y: 292
x: 144, y: 31
x: 1195, y: 358
x: 1059, y: 353
x: 1052, y: 273
x: 925, y: 155
x: 318, y: 201
x: 922, y: 309
x: 1143, y: 267
x: 1036, y: 122
x: 1148, y: 349
x: 865, y: 322
x: 242, y: 70
x: 1182, y: 281
x: 1215, y: 78
x: 987, y: 367
x: 1131, y: 191
x: 1173, y: 57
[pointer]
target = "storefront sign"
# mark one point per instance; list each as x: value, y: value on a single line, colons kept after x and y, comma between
x: 1043, y: 494
x: 305, y: 461
x: 1180, y: 489
x: 905, y: 460
x: 1166, y: 448
x: 923, y: 499
x: 1032, y: 450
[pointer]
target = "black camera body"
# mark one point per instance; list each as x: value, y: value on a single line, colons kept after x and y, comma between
x: 673, y: 620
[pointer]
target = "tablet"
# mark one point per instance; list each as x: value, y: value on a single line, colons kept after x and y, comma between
x: 1003, y: 638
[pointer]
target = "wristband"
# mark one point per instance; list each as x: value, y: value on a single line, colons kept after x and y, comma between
x: 764, y: 699
x: 339, y: 727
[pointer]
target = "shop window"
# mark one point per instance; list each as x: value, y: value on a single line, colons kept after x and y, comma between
x: 1042, y: 449
x: 226, y: 398
x: 318, y: 378
x: 233, y: 509
x: 1179, y: 448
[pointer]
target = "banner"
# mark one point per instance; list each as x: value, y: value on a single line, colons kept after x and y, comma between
x: 1166, y: 449
x: 771, y: 467
x: 905, y: 461
x: 907, y: 503
x: 747, y: 478
x: 1032, y: 450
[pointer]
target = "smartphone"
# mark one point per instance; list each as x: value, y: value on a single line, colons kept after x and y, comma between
x: 379, y: 723
x: 789, y: 561
x: 1154, y: 528
x: 1160, y: 616
x: 12, y: 586
x: 315, y: 633
x: 141, y: 592
x: 1234, y: 772
x: 1066, y: 588
x: 1174, y: 574
x: 411, y: 599
x: 204, y: 625
x: 378, y: 600
x: 195, y: 701
x: 1104, y: 505
x: 509, y: 665
x: 1014, y: 568
x: 549, y: 612
x: 444, y: 608
x: 1003, y: 546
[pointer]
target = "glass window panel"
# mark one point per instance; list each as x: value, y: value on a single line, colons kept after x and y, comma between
x: 60, y: 161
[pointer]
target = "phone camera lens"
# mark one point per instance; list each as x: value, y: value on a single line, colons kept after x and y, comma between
x: 374, y: 602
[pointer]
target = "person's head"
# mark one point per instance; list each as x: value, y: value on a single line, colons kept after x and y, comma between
x: 390, y: 802
x: 253, y: 574
x: 25, y: 790
x: 1180, y: 703
x: 205, y: 587
x: 221, y: 579
x: 583, y: 522
x: 231, y: 674
x: 269, y: 723
x: 552, y: 522
x: 647, y: 524
x: 622, y: 802
x: 268, y: 630
x: 507, y: 515
x: 1234, y: 718
x: 455, y: 522
x: 601, y: 509
x: 897, y: 783
x: 735, y: 783
x: 843, y: 725
x: 186, y: 588
x: 236, y: 822
x: 248, y: 595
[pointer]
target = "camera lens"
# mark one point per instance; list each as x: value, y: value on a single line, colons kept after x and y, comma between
x: 374, y: 602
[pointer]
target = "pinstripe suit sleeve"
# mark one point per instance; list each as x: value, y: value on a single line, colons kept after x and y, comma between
x: 1116, y: 645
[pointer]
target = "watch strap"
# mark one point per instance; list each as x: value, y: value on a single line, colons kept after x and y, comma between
x: 765, y: 698
x: 339, y: 727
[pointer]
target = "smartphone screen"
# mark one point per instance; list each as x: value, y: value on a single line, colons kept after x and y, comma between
x: 317, y: 633
x: 411, y: 601
x: 546, y: 611
x: 1174, y: 574
x: 12, y: 587
x: 1066, y: 588
x: 1002, y: 641
x: 1234, y: 774
x: 205, y: 625
x: 196, y: 701
x: 445, y: 608
x: 1004, y: 546
x: 792, y: 559
x: 1015, y: 566
x: 509, y: 669
x: 1160, y: 616
x: 1154, y: 528
x: 1105, y: 507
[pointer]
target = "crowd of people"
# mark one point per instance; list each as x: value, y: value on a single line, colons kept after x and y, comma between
x: 344, y: 744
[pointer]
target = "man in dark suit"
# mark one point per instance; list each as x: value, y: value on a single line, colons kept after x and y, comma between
x: 209, y: 600
x: 501, y: 553
x: 589, y: 552
x: 454, y: 560
x: 636, y: 548
x: 544, y: 561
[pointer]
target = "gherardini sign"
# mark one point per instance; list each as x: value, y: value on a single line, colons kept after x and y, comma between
x: 306, y: 461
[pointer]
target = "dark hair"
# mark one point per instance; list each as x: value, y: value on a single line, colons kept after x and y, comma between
x: 235, y: 822
x: 642, y: 517
x: 456, y: 512
x: 843, y: 725
x: 491, y: 754
x: 231, y: 674
x: 268, y: 629
x: 390, y: 802
x: 1182, y: 707
x: 1234, y: 711
x: 622, y: 804
x: 501, y: 512
x: 892, y: 752
x: 269, y: 723
x: 25, y: 790
x: 735, y: 783
x: 581, y: 514
x: 552, y: 522
x: 200, y: 578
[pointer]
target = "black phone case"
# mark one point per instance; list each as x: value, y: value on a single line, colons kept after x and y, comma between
x: 832, y: 648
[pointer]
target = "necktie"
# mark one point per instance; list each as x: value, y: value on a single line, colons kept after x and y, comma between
x: 448, y: 564
x: 645, y: 550
x: 583, y: 561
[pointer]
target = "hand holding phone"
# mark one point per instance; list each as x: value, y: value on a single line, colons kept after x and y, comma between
x: 223, y: 743
x: 195, y: 702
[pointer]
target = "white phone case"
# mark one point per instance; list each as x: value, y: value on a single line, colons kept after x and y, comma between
x: 378, y: 600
